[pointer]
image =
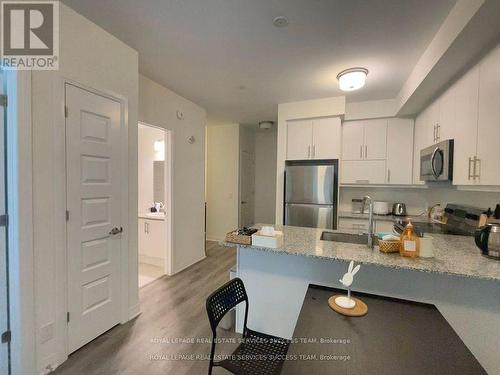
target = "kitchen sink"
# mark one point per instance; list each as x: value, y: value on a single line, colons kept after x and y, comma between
x: 361, y: 239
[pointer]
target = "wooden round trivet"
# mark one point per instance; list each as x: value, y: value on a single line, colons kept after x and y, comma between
x: 359, y: 309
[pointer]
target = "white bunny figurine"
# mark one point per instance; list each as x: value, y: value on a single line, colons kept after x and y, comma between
x: 347, y: 279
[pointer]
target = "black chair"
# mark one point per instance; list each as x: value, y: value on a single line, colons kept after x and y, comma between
x: 258, y: 354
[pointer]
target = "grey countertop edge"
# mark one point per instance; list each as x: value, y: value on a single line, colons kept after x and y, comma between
x: 454, y: 255
x: 381, y: 265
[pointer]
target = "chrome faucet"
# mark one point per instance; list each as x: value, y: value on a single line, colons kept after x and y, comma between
x: 371, y: 231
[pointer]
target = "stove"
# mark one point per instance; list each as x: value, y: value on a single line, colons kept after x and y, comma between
x: 462, y: 220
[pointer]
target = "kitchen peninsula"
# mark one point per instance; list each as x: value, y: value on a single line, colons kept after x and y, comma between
x: 463, y: 285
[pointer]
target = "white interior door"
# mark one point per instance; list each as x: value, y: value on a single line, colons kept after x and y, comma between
x: 4, y: 324
x: 93, y: 201
x: 247, y: 188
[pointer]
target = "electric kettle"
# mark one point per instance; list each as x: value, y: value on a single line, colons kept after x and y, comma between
x: 488, y: 240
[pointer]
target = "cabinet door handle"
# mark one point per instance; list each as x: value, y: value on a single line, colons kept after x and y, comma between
x: 361, y: 151
x: 438, y: 132
x: 477, y: 171
x: 434, y: 134
x: 362, y: 181
x: 388, y: 175
x: 308, y: 152
x: 366, y: 151
x: 470, y: 161
x: 314, y: 151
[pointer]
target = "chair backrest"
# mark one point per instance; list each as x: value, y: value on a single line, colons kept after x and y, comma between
x: 224, y: 299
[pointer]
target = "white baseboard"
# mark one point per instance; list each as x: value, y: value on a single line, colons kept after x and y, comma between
x: 134, y: 312
x: 151, y: 260
x: 189, y: 265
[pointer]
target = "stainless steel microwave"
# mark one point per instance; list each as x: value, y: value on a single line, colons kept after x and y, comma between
x: 436, y: 162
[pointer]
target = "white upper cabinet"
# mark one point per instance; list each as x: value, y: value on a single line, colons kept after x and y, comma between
x: 375, y: 140
x: 353, y: 140
x: 377, y: 152
x: 399, y: 151
x: 364, y: 172
x: 465, y: 127
x: 299, y: 139
x: 447, y: 116
x: 314, y: 139
x: 327, y: 134
x: 364, y: 140
x: 488, y: 128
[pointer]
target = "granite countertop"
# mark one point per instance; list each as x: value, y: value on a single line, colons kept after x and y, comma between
x: 453, y: 255
x: 414, y: 218
x: 151, y: 216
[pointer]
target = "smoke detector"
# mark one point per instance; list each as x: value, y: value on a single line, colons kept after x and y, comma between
x: 266, y: 125
x: 280, y: 21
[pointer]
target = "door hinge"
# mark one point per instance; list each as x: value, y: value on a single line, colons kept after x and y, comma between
x: 3, y: 100
x: 4, y: 220
x: 67, y: 317
x: 66, y: 111
x: 6, y: 337
x: 67, y: 215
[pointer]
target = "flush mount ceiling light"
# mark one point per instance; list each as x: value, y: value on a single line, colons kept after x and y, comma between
x: 352, y: 79
x: 266, y: 125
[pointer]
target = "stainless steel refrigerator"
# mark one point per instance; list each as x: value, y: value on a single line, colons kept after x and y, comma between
x: 311, y: 190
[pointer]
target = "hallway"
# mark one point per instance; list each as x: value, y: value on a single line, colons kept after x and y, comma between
x: 173, y: 309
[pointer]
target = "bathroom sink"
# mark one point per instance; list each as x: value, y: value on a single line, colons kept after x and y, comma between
x: 361, y: 239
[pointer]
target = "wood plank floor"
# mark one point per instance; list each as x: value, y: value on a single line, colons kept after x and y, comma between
x: 172, y: 308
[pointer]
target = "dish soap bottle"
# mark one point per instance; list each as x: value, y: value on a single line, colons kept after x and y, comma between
x: 410, y: 243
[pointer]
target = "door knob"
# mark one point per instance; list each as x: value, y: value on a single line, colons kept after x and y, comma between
x: 115, y: 230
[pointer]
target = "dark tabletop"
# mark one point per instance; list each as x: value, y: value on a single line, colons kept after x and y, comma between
x: 395, y: 337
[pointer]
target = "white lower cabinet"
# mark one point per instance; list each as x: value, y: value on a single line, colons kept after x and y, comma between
x: 353, y: 224
x: 361, y: 225
x: 363, y: 172
x: 152, y: 241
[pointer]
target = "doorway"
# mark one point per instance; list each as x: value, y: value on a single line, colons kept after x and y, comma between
x: 154, y: 202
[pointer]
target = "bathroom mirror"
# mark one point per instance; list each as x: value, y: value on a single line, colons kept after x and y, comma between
x: 159, y: 181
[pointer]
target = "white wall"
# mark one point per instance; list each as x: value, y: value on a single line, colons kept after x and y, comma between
x: 158, y: 106
x: 146, y: 155
x: 265, y: 176
x: 223, y: 143
x: 92, y: 57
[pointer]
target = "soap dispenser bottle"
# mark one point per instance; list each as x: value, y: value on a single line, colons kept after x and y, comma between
x: 410, y: 243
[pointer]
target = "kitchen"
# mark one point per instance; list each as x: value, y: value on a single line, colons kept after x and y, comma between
x: 332, y: 165
x: 349, y: 185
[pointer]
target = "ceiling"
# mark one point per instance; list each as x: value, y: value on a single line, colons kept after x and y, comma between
x: 227, y: 56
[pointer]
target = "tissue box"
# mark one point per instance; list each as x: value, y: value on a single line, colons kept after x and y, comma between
x: 273, y: 242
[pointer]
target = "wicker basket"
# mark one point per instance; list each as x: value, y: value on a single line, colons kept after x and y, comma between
x: 389, y: 246
x: 239, y: 239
